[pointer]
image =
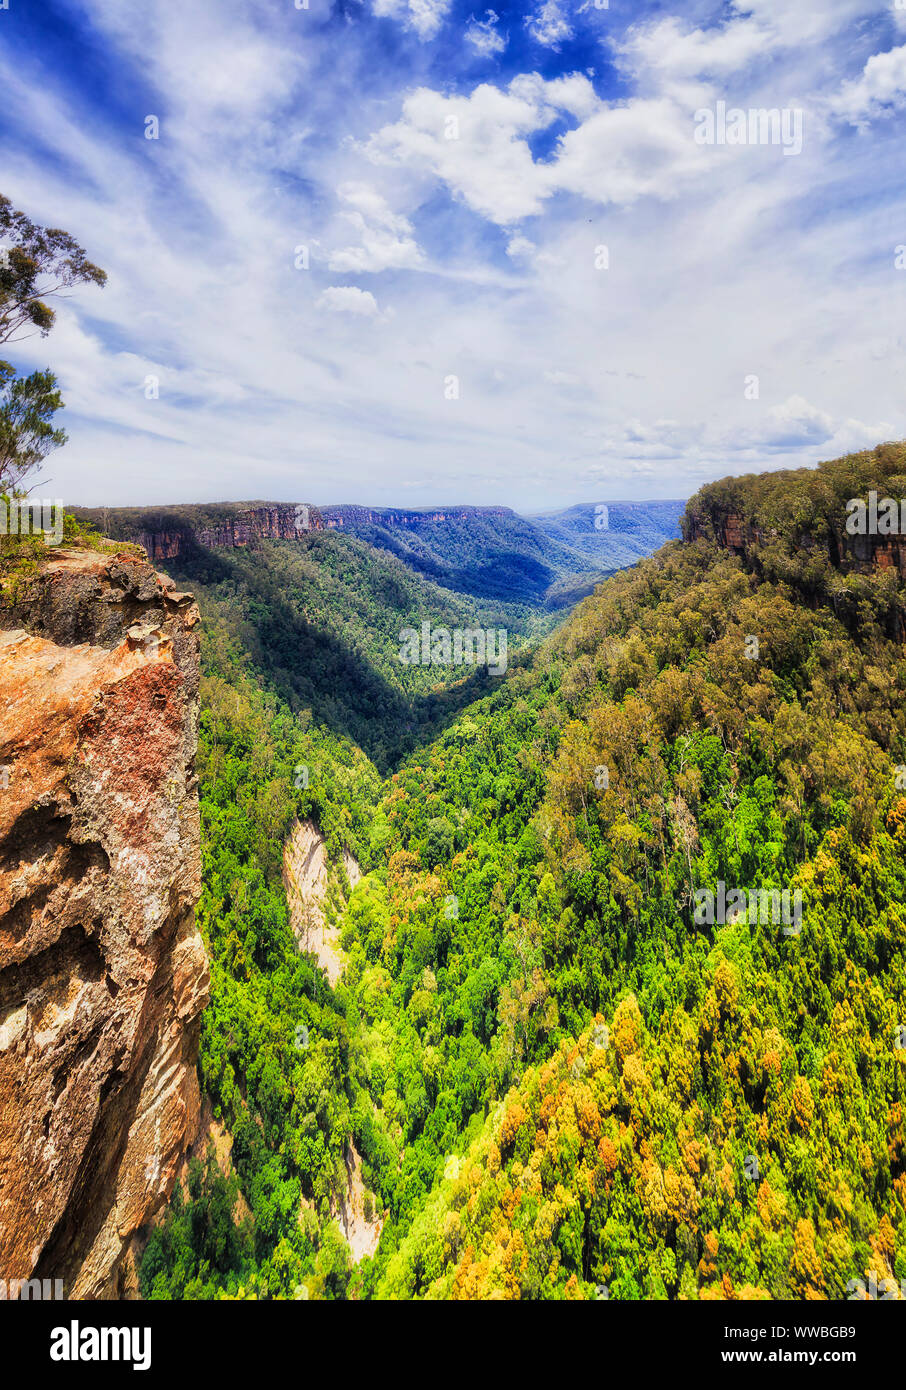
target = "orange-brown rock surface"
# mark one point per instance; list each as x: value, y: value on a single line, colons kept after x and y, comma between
x: 103, y: 974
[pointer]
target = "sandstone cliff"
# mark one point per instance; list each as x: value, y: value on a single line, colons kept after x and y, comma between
x: 804, y: 514
x: 103, y: 974
x: 279, y: 522
x: 861, y: 554
x: 169, y: 533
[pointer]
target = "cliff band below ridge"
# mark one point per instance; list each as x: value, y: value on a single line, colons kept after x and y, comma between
x: 103, y: 974
x: 862, y: 554
x: 169, y: 534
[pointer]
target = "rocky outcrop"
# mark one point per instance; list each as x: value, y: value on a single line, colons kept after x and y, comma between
x: 277, y: 523
x: 161, y: 545
x: 103, y: 974
x: 879, y: 552
x: 362, y: 1231
x: 306, y: 877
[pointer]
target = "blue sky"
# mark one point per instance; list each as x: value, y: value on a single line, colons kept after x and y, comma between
x: 363, y: 260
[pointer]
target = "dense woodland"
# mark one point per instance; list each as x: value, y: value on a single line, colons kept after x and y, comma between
x: 318, y: 621
x: 562, y: 1088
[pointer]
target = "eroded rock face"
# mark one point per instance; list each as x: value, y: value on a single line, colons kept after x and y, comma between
x: 274, y: 523
x: 103, y: 974
x: 846, y: 552
x: 306, y: 877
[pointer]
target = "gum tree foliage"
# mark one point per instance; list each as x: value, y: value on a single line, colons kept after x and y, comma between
x: 37, y: 264
x: 27, y: 435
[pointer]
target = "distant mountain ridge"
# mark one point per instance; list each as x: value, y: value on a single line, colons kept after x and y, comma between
x: 352, y: 514
x: 632, y: 531
x: 488, y: 552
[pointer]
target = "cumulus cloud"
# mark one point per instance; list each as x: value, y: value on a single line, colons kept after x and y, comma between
x: 669, y: 49
x: 386, y: 241
x: 881, y: 89
x: 575, y: 370
x: 798, y: 424
x: 795, y: 422
x: 348, y: 299
x: 479, y: 145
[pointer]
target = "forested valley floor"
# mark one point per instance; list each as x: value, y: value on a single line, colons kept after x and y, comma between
x: 558, y: 1083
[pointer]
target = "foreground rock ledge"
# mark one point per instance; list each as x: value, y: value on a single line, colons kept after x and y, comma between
x: 103, y: 974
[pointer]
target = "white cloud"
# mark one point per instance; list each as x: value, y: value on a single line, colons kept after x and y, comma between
x: 659, y: 438
x: 793, y: 423
x: 669, y: 49
x: 386, y: 241
x: 797, y: 424
x: 571, y: 376
x: 617, y: 153
x: 623, y: 153
x: 476, y: 145
x: 424, y: 16
x: 795, y: 25
x: 348, y: 299
x: 881, y: 88
x: 484, y: 36
x: 209, y: 71
x: 852, y: 435
x: 548, y: 25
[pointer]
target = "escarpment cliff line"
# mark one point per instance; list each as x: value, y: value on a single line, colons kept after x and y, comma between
x: 809, y: 511
x: 861, y: 554
x: 103, y: 974
x: 170, y: 533
x: 271, y: 523
x: 835, y: 533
